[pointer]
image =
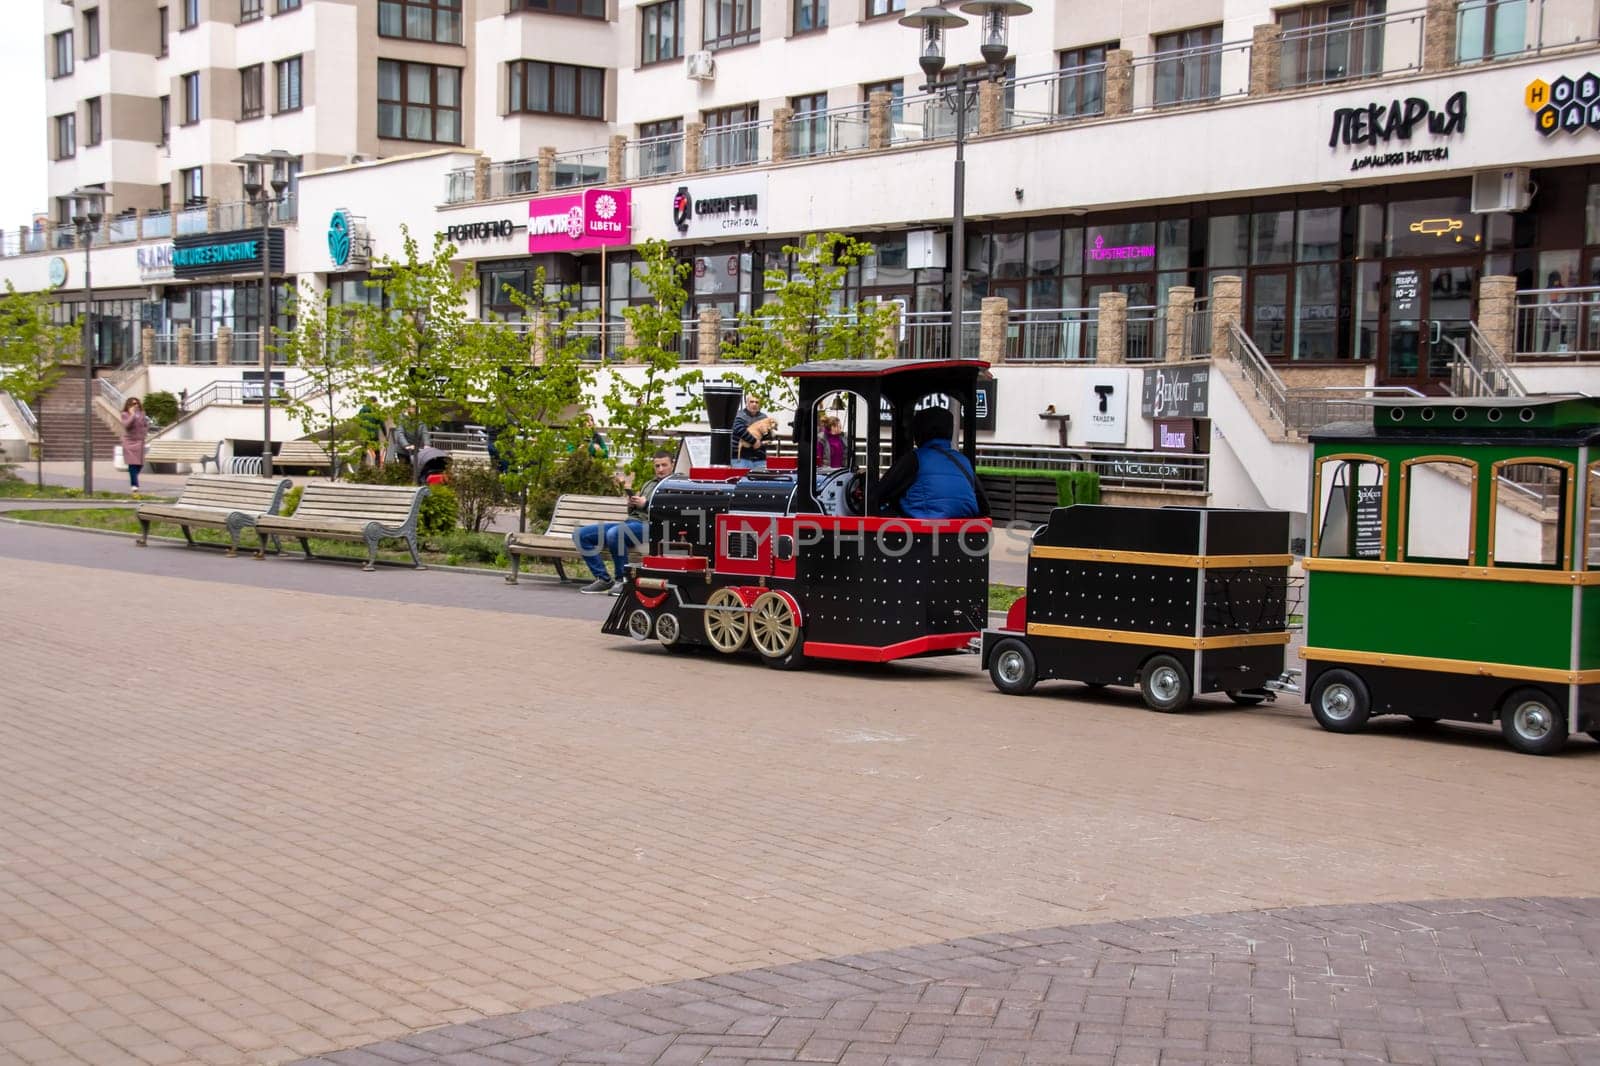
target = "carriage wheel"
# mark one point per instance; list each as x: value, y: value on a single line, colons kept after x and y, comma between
x: 1340, y: 702
x: 774, y: 630
x: 1532, y: 723
x: 727, y: 624
x: 1165, y: 685
x: 1011, y: 667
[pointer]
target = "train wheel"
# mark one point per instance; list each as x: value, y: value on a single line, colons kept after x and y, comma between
x: 727, y: 623
x: 1165, y: 685
x: 1248, y: 699
x: 1532, y: 723
x: 1340, y: 703
x: 775, y: 631
x: 1011, y: 667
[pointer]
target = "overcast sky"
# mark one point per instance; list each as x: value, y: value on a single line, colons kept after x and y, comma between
x: 22, y: 125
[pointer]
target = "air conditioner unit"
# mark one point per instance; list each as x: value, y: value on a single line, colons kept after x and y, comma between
x: 1501, y: 190
x: 701, y: 67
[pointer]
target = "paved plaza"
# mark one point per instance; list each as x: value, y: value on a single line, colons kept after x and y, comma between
x: 261, y: 811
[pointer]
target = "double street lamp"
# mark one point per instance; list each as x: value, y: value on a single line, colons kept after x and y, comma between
x: 959, y: 93
x: 88, y: 208
x: 266, y: 173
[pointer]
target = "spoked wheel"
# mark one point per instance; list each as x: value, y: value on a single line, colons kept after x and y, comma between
x: 1165, y: 685
x: 1340, y: 702
x: 1011, y: 667
x: 775, y: 631
x: 1532, y: 723
x: 727, y: 623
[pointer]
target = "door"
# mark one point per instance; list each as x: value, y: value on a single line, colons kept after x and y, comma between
x: 1428, y: 312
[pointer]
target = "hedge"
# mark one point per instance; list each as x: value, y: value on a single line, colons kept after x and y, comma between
x: 1072, y: 486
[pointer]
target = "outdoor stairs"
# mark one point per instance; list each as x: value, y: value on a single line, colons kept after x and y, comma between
x: 61, y: 422
x: 1270, y: 426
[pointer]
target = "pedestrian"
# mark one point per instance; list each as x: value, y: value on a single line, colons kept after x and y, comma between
x: 183, y: 402
x: 830, y: 443
x: 135, y: 427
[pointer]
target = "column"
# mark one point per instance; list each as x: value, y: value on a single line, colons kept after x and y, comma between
x: 185, y: 345
x: 1497, y: 313
x: 224, y: 345
x: 1266, y: 59
x: 1439, y: 35
x: 1180, y: 315
x: 616, y: 152
x: 708, y: 341
x: 1227, y: 309
x: 1119, y: 81
x: 991, y: 108
x: 147, y: 345
x: 139, y: 216
x: 780, y: 133
x: 480, y: 178
x: 1111, y: 331
x: 879, y: 135
x: 693, y: 134
x: 889, y: 338
x: 547, y: 168
x: 992, y: 314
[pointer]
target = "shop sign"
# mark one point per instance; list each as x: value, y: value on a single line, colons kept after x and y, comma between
x: 495, y: 230
x: 985, y: 398
x: 1404, y: 288
x: 1567, y: 105
x: 594, y: 218
x: 58, y: 272
x: 1103, y: 251
x: 1178, y: 435
x: 1369, y: 521
x: 1103, y: 408
x: 155, y: 261
x: 721, y: 207
x: 217, y: 254
x: 1176, y: 392
x: 1396, y: 123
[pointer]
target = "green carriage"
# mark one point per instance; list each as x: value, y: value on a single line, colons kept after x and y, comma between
x: 1450, y: 564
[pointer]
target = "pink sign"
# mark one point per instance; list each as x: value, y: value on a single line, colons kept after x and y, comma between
x: 1101, y: 250
x: 580, y: 220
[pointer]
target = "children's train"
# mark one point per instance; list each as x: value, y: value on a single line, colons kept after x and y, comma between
x: 1446, y: 574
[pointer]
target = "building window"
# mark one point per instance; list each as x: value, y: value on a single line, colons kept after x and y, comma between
x: 661, y: 33
x: 661, y: 147
x: 589, y: 9
x: 438, y: 21
x: 1331, y: 42
x: 808, y: 128
x: 192, y: 182
x: 557, y: 89
x: 1082, y: 89
x: 91, y: 33
x: 66, y: 136
x: 1492, y: 29
x: 731, y: 137
x: 92, y: 115
x: 189, y: 16
x: 64, y: 54
x: 877, y: 9
x: 166, y: 196
x: 250, y: 10
x: 1189, y: 65
x: 896, y: 89
x: 166, y: 120
x: 191, y: 98
x: 163, y: 30
x: 729, y: 23
x: 288, y: 5
x: 288, y: 78
x: 810, y: 15
x: 419, y: 102
x: 252, y: 102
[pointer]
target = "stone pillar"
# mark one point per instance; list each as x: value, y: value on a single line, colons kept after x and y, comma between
x: 547, y: 168
x: 1119, y: 81
x: 1266, y: 60
x: 694, y: 134
x: 1180, y: 314
x: 992, y: 314
x: 780, y: 133
x: 538, y: 338
x: 1111, y: 330
x: 708, y: 339
x: 139, y: 216
x: 1439, y: 35
x: 147, y: 345
x: 616, y: 153
x: 991, y: 108
x: 185, y: 345
x: 1497, y: 313
x: 211, y: 217
x: 480, y: 178
x: 889, y: 338
x: 1227, y: 309
x: 630, y: 340
x: 224, y: 346
x: 879, y: 133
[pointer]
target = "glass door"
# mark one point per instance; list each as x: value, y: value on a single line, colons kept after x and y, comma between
x: 1427, y: 318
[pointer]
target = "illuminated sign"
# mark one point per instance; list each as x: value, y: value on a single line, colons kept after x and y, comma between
x: 576, y: 221
x: 1103, y: 251
x: 237, y: 252
x: 1566, y: 104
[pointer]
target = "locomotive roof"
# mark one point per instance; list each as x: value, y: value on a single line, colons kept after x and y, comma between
x: 1554, y: 418
x: 876, y: 368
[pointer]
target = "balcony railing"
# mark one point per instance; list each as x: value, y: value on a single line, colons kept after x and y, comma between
x: 586, y: 166
x: 831, y: 132
x: 1199, y: 75
x: 1051, y: 334
x: 1058, y: 96
x: 1558, y: 324
x: 1352, y: 48
x: 461, y: 186
x: 519, y: 177
x: 736, y: 145
x: 653, y: 157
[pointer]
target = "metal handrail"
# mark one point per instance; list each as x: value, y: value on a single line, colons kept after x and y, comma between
x: 1268, y: 386
x: 1168, y: 471
x: 1315, y: 406
x: 29, y: 419
x: 1478, y: 370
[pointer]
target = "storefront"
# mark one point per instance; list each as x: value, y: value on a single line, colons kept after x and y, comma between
x: 224, y: 270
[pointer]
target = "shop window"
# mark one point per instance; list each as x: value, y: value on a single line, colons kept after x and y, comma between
x: 1318, y: 234
x: 1008, y: 260
x: 1269, y: 306
x: 1491, y: 29
x: 1330, y: 42
x: 1272, y: 237
x: 1123, y: 248
x: 422, y: 20
x: 1441, y: 226
x: 730, y: 23
x: 660, y: 32
x: 1227, y: 240
x: 1353, y: 508
x: 810, y: 15
x: 1044, y: 252
x: 1188, y: 65
x: 1081, y: 90
x: 1531, y: 507
x: 1439, y: 496
x: 1172, y: 244
x: 1317, y: 300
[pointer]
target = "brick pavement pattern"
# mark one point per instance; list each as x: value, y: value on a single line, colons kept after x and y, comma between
x: 280, y: 809
x: 1452, y: 984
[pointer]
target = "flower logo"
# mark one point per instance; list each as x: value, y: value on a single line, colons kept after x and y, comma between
x: 605, y: 206
x: 339, y: 238
x: 575, y: 222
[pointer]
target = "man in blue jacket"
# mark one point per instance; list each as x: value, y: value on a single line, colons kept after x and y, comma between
x: 934, y: 480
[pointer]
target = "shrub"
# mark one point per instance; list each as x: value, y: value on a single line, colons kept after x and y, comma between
x: 1078, y: 486
x: 439, y: 512
x: 291, y: 500
x: 394, y: 473
x: 579, y: 473
x: 162, y: 407
x: 462, y: 547
x: 478, y: 491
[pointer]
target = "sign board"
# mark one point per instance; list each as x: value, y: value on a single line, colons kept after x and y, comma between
x: 578, y: 221
x: 1404, y: 292
x: 250, y: 386
x: 155, y: 261
x: 1187, y: 435
x: 984, y: 398
x: 1369, y: 521
x: 205, y: 255
x: 1176, y: 392
x: 730, y: 206
x: 1103, y: 408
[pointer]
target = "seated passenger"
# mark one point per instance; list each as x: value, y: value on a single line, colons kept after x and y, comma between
x: 618, y: 537
x: 935, y: 480
x: 830, y: 443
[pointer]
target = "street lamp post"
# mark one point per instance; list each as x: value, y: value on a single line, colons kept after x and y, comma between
x: 88, y: 210
x: 257, y: 180
x: 959, y: 93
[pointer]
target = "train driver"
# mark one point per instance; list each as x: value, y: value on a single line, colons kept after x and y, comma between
x: 933, y: 480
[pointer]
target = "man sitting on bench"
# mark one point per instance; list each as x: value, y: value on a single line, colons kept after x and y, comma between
x: 618, y: 537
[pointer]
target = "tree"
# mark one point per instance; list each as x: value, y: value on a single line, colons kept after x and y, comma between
x: 323, y: 347
x: 637, y: 408
x: 32, y: 350
x: 805, y: 318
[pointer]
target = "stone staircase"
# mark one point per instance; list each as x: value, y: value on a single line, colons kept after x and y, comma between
x: 61, y: 422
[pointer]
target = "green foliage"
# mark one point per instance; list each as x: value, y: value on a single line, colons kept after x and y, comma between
x: 1072, y: 486
x: 162, y: 407
x: 32, y: 351
x: 463, y: 548
x: 291, y: 500
x: 636, y: 409
x: 804, y: 317
x: 398, y: 472
x: 322, y: 346
x: 579, y: 474
x: 438, y: 513
x: 479, y: 492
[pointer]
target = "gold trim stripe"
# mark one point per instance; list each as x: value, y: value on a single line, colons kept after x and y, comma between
x: 1453, y: 666
x: 1509, y: 574
x: 1156, y: 640
x: 1190, y: 562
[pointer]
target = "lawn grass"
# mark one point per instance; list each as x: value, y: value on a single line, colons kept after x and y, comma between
x: 15, y: 489
x: 1001, y: 597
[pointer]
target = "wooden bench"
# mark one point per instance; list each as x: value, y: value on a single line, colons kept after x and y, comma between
x: 193, y: 452
x: 216, y: 501
x: 555, y: 543
x: 302, y: 453
x: 338, y: 511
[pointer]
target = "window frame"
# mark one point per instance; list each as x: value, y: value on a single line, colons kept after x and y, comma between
x: 1317, y: 507
x: 533, y: 7
x: 819, y: 17
x: 252, y: 11
x: 188, y: 15
x: 164, y: 103
x: 651, y: 14
x: 519, y: 69
x: 656, y: 135
x: 183, y: 179
x: 882, y: 9
x: 279, y: 68
x: 66, y: 131
x: 434, y: 8
x: 404, y: 102
x: 1209, y: 54
x: 64, y: 46
x: 713, y: 127
x: 1303, y: 45
x: 1081, y: 76
x: 1564, y: 546
x: 1404, y: 532
x: 722, y: 42
x: 285, y: 6
x: 94, y: 121
x: 896, y: 88
x: 164, y: 29
x: 191, y: 98
x: 91, y: 33
x: 809, y: 124
x: 257, y: 73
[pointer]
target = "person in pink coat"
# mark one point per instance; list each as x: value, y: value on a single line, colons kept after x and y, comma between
x: 135, y: 427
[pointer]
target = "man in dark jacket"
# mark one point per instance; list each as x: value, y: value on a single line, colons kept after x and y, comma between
x: 752, y: 429
x: 934, y: 480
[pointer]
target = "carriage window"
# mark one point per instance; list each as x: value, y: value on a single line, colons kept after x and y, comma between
x: 1530, y: 514
x: 1440, y: 497
x: 1592, y: 508
x: 838, y: 417
x: 1352, y: 508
